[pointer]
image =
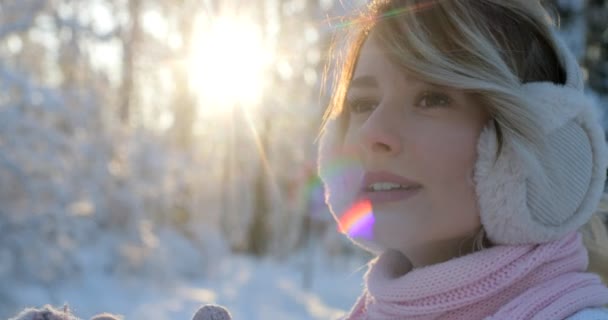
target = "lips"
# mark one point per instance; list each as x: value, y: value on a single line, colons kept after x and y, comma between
x: 383, y: 186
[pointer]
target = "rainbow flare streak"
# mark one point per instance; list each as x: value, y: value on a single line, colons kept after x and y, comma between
x: 358, y: 221
x: 392, y: 13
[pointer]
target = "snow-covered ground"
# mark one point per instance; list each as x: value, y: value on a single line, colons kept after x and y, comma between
x: 250, y: 288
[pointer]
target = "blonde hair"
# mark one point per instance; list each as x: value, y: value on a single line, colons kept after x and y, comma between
x: 486, y: 48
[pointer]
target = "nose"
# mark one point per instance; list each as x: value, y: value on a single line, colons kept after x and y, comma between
x: 379, y: 134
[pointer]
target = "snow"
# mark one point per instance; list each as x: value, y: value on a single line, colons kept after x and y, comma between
x: 248, y: 287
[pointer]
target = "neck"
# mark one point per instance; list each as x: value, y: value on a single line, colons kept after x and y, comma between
x: 439, y: 251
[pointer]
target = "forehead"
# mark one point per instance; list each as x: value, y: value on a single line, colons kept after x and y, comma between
x: 373, y: 63
x: 371, y: 58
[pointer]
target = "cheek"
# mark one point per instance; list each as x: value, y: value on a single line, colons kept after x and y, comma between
x: 450, y: 155
x: 350, y: 143
x: 451, y: 159
x: 344, y: 176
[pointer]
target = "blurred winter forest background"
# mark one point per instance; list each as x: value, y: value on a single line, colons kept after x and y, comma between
x: 158, y: 155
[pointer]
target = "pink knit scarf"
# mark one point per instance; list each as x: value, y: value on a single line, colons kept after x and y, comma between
x: 546, y: 281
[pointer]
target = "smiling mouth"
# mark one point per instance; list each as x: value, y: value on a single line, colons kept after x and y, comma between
x: 383, y: 193
x: 384, y: 186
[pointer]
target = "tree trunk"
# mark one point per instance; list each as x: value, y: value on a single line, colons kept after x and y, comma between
x: 131, y: 40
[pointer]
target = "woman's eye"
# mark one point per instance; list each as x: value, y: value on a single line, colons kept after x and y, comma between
x: 433, y: 99
x: 361, y: 105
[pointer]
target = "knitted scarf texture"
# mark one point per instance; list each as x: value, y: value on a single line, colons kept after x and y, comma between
x: 541, y: 281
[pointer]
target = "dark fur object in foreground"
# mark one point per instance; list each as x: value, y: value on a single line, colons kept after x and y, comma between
x: 49, y: 313
x: 212, y: 312
x: 206, y: 312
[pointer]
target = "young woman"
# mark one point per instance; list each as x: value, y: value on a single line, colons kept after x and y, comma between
x: 474, y: 160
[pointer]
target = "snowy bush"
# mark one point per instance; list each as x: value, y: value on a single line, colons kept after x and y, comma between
x: 79, y: 195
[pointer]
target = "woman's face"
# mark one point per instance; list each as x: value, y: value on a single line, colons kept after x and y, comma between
x: 417, y: 145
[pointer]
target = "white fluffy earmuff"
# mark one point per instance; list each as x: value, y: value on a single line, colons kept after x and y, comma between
x: 518, y: 204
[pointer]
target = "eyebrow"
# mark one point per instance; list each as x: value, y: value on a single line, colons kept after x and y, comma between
x: 363, y: 82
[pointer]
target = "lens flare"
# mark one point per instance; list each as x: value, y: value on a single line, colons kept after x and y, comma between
x: 358, y: 221
x: 387, y: 15
x: 341, y: 171
x: 335, y: 170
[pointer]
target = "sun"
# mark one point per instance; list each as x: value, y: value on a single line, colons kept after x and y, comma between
x: 227, y: 61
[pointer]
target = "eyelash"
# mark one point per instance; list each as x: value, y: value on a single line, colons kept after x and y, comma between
x: 362, y: 105
x: 439, y: 95
x: 355, y: 105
